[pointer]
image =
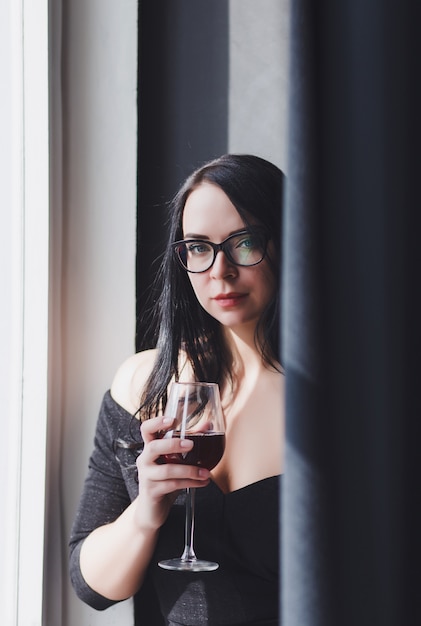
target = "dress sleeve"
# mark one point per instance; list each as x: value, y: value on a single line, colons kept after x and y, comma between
x: 105, y: 494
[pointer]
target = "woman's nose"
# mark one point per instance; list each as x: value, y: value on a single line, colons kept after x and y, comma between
x: 222, y: 267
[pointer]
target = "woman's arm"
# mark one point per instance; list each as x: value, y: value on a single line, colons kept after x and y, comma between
x: 114, y: 557
x: 120, y: 537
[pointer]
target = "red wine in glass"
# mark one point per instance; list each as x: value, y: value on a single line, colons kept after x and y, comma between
x: 207, y: 450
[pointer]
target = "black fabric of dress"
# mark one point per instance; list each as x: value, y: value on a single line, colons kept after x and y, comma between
x: 239, y: 530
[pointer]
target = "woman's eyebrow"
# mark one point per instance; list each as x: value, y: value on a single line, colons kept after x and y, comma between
x: 194, y: 236
x: 206, y: 238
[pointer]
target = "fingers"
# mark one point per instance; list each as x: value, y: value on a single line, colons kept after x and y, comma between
x: 156, y: 444
x: 160, y: 482
x: 149, y: 428
x: 176, y: 473
x: 163, y: 478
x: 158, y: 449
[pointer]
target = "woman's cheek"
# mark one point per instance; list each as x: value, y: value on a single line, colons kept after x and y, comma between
x: 198, y: 288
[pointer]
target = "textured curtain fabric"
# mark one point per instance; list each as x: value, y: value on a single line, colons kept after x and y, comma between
x: 351, y: 321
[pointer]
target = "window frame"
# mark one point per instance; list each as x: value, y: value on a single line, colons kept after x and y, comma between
x: 24, y: 319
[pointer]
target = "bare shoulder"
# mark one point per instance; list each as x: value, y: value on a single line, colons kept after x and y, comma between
x: 130, y: 379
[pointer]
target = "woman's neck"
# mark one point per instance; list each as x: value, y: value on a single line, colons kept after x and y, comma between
x: 242, y: 342
x: 247, y: 356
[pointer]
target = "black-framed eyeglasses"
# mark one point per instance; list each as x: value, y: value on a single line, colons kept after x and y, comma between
x: 245, y: 248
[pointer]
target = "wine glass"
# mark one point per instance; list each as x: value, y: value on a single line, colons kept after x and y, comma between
x: 197, y: 412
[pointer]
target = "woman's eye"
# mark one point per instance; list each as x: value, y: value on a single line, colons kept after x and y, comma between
x: 197, y: 248
x: 247, y: 242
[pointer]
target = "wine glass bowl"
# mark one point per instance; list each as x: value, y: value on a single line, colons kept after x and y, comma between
x: 207, y: 450
x: 197, y: 413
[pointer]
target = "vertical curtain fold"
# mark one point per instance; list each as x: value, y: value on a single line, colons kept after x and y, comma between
x: 351, y: 319
x: 305, y: 576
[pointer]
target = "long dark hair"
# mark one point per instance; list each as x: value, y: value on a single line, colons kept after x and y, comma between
x: 176, y: 321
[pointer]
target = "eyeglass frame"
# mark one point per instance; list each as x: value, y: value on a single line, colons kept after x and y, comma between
x: 217, y: 247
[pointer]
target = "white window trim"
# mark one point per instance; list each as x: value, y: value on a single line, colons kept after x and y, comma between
x: 27, y: 207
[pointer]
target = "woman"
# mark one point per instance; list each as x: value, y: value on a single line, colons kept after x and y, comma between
x: 216, y: 319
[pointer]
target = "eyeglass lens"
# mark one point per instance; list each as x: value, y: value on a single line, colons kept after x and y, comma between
x: 243, y: 249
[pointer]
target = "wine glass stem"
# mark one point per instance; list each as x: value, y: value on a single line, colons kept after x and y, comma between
x: 188, y: 554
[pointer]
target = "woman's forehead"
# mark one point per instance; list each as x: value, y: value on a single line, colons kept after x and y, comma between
x: 208, y: 209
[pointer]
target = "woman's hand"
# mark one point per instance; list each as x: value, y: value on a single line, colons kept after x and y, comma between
x: 159, y: 483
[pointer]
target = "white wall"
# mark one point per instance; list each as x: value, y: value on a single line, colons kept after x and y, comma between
x: 258, y: 89
x: 94, y: 115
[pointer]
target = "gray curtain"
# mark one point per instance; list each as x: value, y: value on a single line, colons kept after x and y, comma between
x: 352, y: 319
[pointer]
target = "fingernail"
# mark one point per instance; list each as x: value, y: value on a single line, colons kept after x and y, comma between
x: 186, y: 443
x: 204, y: 473
x: 167, y: 420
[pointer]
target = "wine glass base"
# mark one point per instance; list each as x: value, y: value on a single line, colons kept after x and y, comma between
x: 196, y: 565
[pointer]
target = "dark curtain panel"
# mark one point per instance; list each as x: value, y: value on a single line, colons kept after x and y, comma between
x: 182, y: 111
x: 352, y: 316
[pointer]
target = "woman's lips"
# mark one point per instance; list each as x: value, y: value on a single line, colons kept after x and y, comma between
x: 229, y: 299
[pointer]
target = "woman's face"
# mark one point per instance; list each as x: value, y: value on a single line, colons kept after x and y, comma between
x: 233, y: 295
